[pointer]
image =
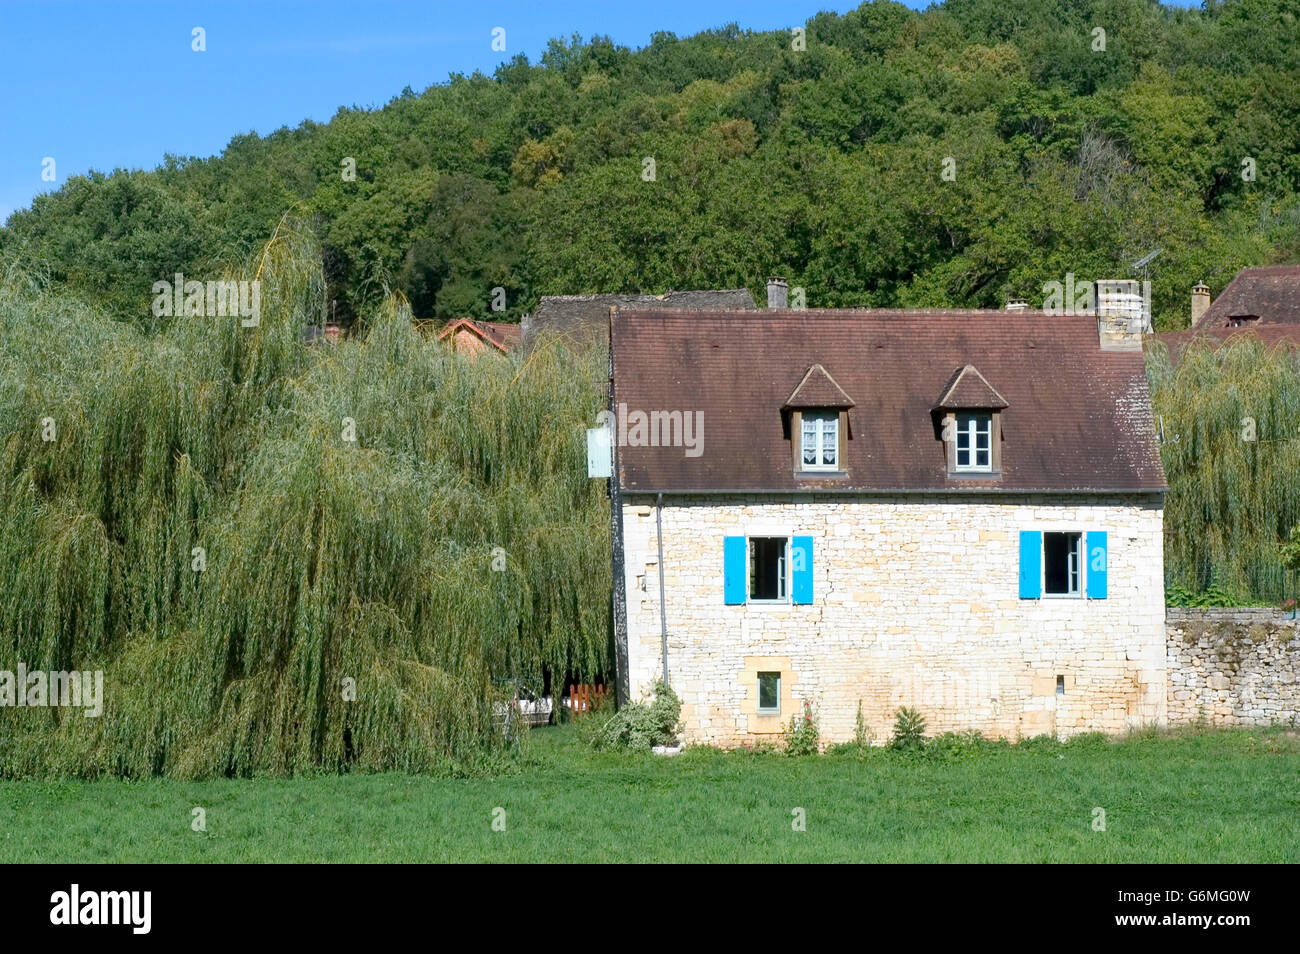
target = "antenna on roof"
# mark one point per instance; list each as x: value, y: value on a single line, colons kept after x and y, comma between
x: 1143, y: 264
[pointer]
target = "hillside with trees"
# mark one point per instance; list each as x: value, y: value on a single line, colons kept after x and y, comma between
x: 821, y: 158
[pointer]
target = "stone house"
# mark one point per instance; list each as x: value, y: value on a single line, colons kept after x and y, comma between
x: 956, y: 511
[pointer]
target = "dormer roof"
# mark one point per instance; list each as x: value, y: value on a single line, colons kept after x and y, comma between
x: 967, y: 389
x: 817, y: 389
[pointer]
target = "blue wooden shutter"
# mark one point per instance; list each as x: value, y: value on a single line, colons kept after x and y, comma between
x: 1031, y: 560
x: 733, y: 570
x: 1097, y: 559
x: 801, y: 558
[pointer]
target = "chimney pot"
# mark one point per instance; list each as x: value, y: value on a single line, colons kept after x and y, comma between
x: 778, y: 293
x: 1200, y: 301
x: 1017, y: 304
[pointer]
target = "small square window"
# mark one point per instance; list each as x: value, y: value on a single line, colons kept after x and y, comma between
x: 767, y: 568
x: 820, y: 441
x: 1061, y: 563
x: 974, y: 443
x: 769, y: 693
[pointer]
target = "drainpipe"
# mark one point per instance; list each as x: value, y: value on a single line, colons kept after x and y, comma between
x: 618, y: 587
x: 663, y: 620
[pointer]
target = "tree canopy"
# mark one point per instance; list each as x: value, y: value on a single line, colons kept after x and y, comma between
x: 819, y: 158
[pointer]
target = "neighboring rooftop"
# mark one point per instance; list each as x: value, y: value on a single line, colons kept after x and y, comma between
x: 500, y: 335
x: 585, y: 318
x: 1074, y: 417
x: 1263, y: 296
x: 1272, y: 336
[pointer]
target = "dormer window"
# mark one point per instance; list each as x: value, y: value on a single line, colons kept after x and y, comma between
x: 968, y: 419
x: 974, y: 442
x: 820, y: 446
x: 816, y: 417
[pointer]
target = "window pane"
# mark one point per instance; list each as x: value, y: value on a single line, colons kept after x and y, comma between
x: 769, y: 691
x: 809, y: 441
x: 830, y: 438
x: 767, y: 568
x: 1061, y: 563
x: 981, y: 458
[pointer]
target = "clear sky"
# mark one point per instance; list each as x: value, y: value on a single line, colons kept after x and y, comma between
x: 101, y: 85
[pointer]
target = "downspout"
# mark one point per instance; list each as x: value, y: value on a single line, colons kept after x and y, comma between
x: 663, y: 620
x: 618, y: 580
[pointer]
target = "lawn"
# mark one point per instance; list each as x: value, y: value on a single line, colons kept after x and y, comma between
x: 1211, y: 796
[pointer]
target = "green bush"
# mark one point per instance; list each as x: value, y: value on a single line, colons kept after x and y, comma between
x: 909, y: 731
x: 639, y: 725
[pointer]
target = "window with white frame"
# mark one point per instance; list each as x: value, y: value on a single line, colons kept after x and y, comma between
x: 769, y: 693
x: 1062, y: 559
x: 821, y: 440
x: 973, y: 442
x: 767, y: 568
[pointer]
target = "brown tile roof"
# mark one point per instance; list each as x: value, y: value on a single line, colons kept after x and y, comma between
x: 1272, y: 336
x: 968, y: 389
x: 585, y: 318
x: 505, y: 334
x: 818, y: 389
x: 1077, y: 418
x: 1271, y: 294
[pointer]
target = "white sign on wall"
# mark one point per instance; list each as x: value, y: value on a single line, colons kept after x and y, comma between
x: 598, y: 452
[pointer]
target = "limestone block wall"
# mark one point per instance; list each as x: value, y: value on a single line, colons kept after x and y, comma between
x: 916, y: 603
x: 1233, y: 667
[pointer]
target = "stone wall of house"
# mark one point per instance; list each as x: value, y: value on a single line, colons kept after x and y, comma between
x: 1233, y: 667
x: 916, y: 603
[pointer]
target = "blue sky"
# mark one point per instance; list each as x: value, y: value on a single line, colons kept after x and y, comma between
x: 100, y: 85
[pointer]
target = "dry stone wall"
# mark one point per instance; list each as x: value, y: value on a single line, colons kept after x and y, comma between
x: 1233, y: 667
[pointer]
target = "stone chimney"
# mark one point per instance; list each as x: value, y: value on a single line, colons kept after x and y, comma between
x: 1200, y: 301
x: 778, y: 293
x: 1123, y: 309
x: 1017, y: 304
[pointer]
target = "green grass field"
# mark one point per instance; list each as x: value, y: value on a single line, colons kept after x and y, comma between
x: 1229, y: 796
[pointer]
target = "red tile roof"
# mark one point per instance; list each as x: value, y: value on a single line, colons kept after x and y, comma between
x: 501, y: 335
x: 1077, y: 418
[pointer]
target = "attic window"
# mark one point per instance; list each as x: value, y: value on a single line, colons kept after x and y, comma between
x: 820, y: 440
x: 970, y: 410
x: 817, y: 419
x: 973, y: 443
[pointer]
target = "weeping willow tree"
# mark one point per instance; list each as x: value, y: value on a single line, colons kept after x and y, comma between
x: 286, y: 558
x: 1231, y: 451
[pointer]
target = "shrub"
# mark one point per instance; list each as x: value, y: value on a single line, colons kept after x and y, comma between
x: 961, y: 746
x: 803, y: 737
x: 862, y: 737
x: 909, y: 730
x: 639, y: 725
